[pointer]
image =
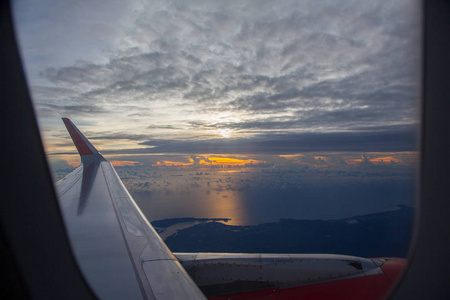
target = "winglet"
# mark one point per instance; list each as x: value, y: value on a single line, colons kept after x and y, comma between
x: 86, y: 150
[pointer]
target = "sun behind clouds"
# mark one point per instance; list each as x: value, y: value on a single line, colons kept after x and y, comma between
x: 225, y: 133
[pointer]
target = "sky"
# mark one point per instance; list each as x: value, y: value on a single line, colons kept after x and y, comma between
x: 196, y: 82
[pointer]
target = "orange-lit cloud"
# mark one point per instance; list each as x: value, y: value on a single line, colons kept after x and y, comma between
x: 333, y: 158
x: 291, y: 156
x: 227, y: 161
x: 211, y: 161
x: 169, y: 163
x: 386, y: 159
x: 302, y: 159
x: 122, y: 163
x: 380, y: 159
x: 71, y: 159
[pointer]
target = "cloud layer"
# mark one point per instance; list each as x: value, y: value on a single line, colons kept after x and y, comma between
x: 298, y: 75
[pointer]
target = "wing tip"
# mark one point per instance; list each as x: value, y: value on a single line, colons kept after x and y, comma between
x: 84, y: 147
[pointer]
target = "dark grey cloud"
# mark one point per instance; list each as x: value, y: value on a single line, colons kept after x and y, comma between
x: 76, y: 109
x: 266, y: 124
x: 162, y: 127
x: 351, y: 121
x: 403, y: 138
x: 117, y: 136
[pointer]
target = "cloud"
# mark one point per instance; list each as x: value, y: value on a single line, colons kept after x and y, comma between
x: 57, y: 164
x: 76, y: 109
x: 162, y: 127
x: 403, y: 139
x: 123, y: 163
x: 305, y: 75
x: 117, y: 136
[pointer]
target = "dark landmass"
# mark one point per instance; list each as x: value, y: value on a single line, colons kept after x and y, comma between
x: 381, y: 234
x: 169, y: 222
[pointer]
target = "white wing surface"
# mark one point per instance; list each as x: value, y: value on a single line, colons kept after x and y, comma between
x: 118, y: 251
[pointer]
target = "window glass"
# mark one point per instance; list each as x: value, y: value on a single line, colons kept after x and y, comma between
x: 235, y: 121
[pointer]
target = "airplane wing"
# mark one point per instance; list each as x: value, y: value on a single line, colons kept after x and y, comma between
x: 118, y: 251
x: 122, y: 256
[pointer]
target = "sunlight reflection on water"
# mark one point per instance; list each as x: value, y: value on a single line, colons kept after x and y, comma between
x: 252, y: 196
x: 197, y: 204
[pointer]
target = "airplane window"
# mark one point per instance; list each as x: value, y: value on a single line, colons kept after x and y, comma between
x: 240, y: 126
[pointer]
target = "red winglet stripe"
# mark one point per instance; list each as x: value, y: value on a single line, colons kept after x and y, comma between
x: 81, y: 145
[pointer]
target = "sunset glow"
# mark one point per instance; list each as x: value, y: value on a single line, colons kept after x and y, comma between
x: 210, y: 161
x: 167, y: 163
x: 382, y: 159
x: 123, y: 163
x: 227, y: 161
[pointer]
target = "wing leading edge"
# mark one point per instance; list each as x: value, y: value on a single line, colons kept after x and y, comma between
x: 117, y: 249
